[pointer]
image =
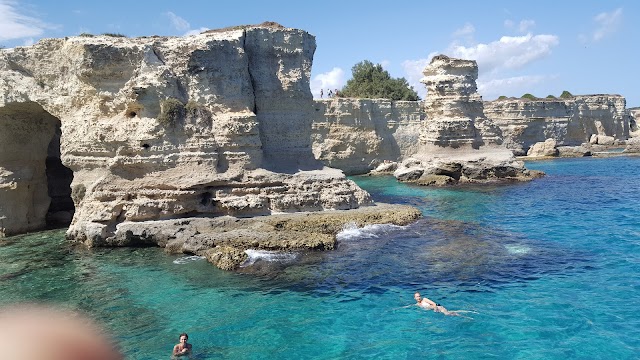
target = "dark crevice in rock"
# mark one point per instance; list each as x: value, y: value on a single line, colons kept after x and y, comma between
x: 253, y: 81
x: 158, y: 54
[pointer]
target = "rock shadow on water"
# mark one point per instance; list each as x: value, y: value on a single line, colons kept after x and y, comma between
x: 468, y: 254
x: 430, y: 252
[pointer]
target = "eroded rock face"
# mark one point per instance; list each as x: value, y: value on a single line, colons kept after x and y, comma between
x: 26, y: 131
x: 457, y: 142
x: 158, y: 128
x: 570, y: 122
x: 543, y: 149
x: 356, y: 135
x: 634, y: 129
x: 454, y: 109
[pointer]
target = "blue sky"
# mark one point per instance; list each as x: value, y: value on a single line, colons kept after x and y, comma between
x: 540, y: 47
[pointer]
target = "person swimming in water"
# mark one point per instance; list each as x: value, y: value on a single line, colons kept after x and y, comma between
x: 428, y: 304
x: 182, y: 348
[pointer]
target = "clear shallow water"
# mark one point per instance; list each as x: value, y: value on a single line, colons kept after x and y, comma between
x: 552, y: 267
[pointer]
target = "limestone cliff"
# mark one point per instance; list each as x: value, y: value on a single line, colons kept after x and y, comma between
x: 160, y: 128
x: 447, y: 130
x: 356, y: 135
x: 569, y: 122
x: 634, y: 129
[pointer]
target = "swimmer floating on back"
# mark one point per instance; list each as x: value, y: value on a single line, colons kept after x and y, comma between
x: 428, y: 304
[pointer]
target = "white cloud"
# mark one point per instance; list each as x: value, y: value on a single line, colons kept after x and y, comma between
x: 525, y: 25
x: 511, y: 86
x: 466, y: 30
x: 14, y: 25
x: 495, y: 61
x: 330, y: 80
x: 510, y: 52
x: 608, y: 23
x: 183, y: 25
x: 178, y: 23
x: 385, y: 63
x: 196, y: 31
x: 413, y: 73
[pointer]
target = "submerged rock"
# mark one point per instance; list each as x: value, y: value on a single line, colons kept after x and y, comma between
x: 226, y: 257
x: 223, y: 239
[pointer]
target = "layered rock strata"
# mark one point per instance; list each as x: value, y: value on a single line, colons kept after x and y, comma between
x: 570, y: 122
x: 634, y: 128
x: 156, y: 128
x: 457, y: 142
x: 454, y: 109
x: 356, y: 135
x: 633, y: 144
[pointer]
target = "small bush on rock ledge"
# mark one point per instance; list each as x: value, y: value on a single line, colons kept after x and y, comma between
x: 171, y: 111
x: 193, y: 108
x: 566, y: 95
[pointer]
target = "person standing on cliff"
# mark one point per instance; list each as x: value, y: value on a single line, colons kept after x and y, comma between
x: 321, y: 93
x: 183, y: 347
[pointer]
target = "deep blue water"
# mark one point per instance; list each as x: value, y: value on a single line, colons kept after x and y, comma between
x: 552, y: 268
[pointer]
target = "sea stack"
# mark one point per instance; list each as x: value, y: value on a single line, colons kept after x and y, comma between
x: 457, y: 142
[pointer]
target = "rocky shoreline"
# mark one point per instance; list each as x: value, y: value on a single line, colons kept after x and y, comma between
x: 212, y: 144
x: 223, y: 240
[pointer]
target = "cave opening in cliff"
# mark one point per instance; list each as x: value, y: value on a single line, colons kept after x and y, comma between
x: 35, y: 187
x: 59, y: 178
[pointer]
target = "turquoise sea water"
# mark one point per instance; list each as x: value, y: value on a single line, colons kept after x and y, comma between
x: 552, y: 268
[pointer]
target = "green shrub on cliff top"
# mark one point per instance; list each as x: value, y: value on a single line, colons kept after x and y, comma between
x: 171, y: 111
x: 528, y: 97
x: 566, y: 95
x: 371, y: 81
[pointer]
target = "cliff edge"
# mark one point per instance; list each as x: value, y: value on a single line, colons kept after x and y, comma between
x: 157, y: 128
